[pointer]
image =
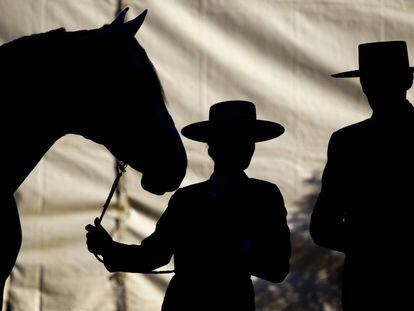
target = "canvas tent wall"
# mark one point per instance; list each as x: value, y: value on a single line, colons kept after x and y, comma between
x: 276, y: 53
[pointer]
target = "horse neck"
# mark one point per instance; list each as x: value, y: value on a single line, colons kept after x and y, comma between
x: 36, y: 108
x: 26, y: 138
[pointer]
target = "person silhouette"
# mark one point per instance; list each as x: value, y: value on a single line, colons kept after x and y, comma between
x: 365, y: 207
x: 220, y: 231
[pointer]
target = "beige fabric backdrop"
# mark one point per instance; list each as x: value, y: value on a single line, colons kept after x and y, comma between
x: 277, y: 53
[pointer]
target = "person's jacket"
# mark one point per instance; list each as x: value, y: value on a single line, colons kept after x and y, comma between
x: 366, y: 208
x: 220, y: 232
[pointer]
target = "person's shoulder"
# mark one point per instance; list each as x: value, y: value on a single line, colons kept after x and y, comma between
x: 352, y: 130
x: 264, y: 185
x: 192, y: 189
x: 268, y: 197
x: 349, y: 136
x: 261, y: 182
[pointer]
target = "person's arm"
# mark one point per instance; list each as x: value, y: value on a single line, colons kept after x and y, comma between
x: 155, y: 251
x: 327, y: 226
x: 268, y: 251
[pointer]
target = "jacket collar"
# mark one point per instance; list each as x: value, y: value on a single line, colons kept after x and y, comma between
x: 229, y: 177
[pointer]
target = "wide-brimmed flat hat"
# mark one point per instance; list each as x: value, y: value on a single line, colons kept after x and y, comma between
x: 375, y: 58
x: 234, y: 118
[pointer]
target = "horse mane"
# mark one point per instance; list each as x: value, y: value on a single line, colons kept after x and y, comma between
x: 43, y: 44
x: 35, y: 40
x: 49, y: 42
x: 157, y: 81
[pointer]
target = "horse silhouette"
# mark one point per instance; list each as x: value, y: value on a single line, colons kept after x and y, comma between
x: 96, y: 83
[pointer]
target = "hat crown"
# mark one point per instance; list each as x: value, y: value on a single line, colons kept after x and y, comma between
x: 232, y: 111
x: 386, y: 56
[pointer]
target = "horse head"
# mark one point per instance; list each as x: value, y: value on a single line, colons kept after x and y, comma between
x: 130, y: 116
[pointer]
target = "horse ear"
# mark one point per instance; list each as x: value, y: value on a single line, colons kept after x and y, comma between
x: 119, y: 20
x: 133, y: 25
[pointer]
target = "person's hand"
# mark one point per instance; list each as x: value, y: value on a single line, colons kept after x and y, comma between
x: 97, y: 239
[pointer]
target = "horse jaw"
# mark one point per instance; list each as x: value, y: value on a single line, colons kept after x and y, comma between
x: 167, y: 169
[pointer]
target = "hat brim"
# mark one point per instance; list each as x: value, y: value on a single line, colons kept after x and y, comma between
x: 356, y: 73
x: 259, y: 130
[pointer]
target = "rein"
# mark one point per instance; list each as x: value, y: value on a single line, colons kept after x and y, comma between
x: 121, y: 168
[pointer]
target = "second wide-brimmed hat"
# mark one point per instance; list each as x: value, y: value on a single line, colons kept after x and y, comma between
x: 234, y: 118
x: 386, y: 57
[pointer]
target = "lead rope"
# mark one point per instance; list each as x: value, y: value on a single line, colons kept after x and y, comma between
x: 121, y: 168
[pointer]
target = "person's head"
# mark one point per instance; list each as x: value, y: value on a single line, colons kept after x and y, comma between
x: 385, y: 91
x: 384, y: 73
x: 232, y: 153
x: 231, y: 133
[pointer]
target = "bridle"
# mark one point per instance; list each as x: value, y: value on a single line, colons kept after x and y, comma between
x: 121, y: 168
